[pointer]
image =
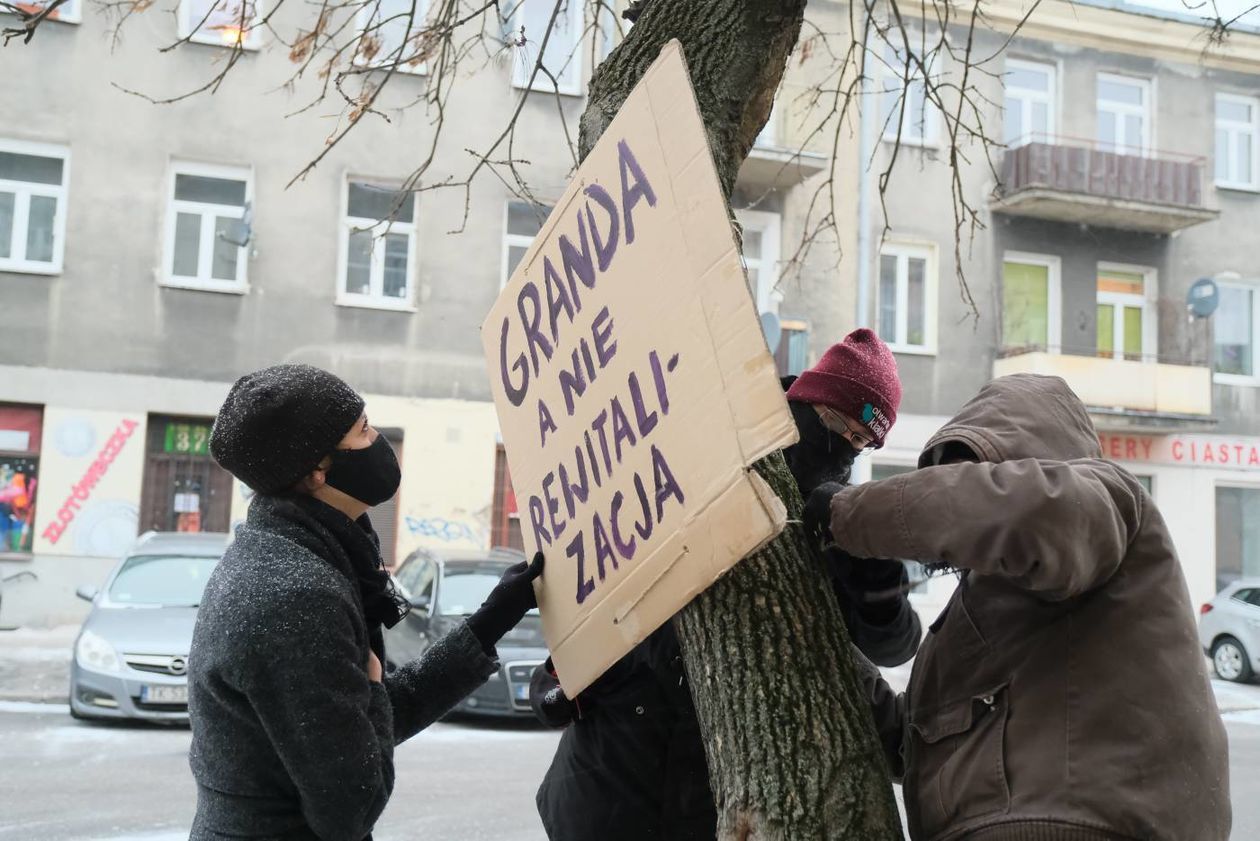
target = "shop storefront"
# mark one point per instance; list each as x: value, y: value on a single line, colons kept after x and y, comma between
x: 1207, y: 488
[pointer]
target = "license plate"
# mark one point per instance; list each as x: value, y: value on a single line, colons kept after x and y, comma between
x: 164, y: 694
x: 521, y: 691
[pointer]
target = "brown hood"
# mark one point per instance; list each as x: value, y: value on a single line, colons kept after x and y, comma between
x: 1021, y: 416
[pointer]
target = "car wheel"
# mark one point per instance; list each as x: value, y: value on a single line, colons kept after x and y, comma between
x: 1229, y: 660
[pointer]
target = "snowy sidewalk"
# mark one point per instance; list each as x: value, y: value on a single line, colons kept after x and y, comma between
x: 35, y: 664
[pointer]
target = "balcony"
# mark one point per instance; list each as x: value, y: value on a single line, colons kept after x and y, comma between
x: 1069, y: 181
x: 1128, y: 395
x: 768, y: 168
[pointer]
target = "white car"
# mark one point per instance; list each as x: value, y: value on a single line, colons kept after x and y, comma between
x: 1229, y: 629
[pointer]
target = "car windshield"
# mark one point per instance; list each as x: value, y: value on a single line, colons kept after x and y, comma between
x: 162, y: 581
x: 463, y: 590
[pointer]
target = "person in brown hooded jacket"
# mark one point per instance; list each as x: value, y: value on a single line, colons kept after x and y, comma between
x: 1062, y: 693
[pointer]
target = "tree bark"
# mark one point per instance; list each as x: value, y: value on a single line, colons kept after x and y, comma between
x: 791, y: 745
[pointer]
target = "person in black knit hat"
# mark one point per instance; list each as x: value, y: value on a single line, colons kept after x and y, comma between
x: 293, y: 722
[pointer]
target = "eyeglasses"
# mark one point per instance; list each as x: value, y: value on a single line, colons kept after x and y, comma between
x: 859, y: 438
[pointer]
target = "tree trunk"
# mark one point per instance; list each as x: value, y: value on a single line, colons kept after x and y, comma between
x: 791, y: 745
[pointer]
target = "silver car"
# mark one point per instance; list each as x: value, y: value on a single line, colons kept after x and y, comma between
x: 1229, y: 629
x: 131, y: 656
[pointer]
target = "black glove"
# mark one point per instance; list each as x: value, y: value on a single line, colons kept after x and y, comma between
x: 817, y: 513
x: 551, y: 706
x: 507, y: 603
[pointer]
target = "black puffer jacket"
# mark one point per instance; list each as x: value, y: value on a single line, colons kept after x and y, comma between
x: 290, y: 739
x: 631, y: 766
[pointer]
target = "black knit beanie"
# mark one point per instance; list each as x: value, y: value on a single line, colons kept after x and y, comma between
x: 277, y: 424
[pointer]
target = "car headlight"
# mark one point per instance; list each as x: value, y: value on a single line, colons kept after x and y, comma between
x: 93, y: 652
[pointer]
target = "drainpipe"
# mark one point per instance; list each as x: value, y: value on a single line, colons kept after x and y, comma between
x: 866, y: 147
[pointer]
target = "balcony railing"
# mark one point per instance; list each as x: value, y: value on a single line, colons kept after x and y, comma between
x: 1079, y: 181
x: 1132, y: 392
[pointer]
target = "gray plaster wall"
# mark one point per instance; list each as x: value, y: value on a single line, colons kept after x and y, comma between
x: 107, y: 311
x: 1183, y: 125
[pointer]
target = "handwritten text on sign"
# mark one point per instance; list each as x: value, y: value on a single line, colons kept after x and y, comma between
x: 633, y: 386
x: 527, y: 344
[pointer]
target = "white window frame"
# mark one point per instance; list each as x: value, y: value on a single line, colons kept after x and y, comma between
x: 510, y: 240
x: 205, y: 251
x: 768, y: 296
x: 1027, y: 98
x: 523, y: 66
x: 612, y: 30
x: 892, y: 86
x: 1054, y: 297
x: 363, y: 19
x: 904, y: 250
x: 23, y: 192
x: 1243, y: 379
x: 1120, y: 110
x: 376, y: 299
x: 69, y: 12
x: 253, y: 37
x: 1235, y: 128
x: 1146, y: 301
x: 768, y: 138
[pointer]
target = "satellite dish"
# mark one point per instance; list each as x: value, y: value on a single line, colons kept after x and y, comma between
x: 1203, y: 298
x: 238, y: 232
x: 772, y: 330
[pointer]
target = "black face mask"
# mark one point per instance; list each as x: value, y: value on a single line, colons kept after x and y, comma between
x: 820, y: 455
x: 370, y: 475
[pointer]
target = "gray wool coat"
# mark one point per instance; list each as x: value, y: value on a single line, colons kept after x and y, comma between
x: 290, y: 740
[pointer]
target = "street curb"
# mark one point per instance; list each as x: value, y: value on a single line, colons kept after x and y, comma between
x: 62, y: 698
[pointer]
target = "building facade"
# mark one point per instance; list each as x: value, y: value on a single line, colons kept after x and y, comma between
x: 151, y: 254
x: 1131, y: 171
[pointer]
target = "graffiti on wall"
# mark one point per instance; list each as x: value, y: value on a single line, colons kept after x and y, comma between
x: 101, y: 527
x: 449, y: 529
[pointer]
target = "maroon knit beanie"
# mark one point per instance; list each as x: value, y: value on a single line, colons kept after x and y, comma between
x: 857, y: 377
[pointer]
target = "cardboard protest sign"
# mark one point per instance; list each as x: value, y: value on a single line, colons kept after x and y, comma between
x: 634, y: 386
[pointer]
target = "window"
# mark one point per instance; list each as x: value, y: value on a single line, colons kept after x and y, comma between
x: 1126, y: 320
x: 791, y: 357
x: 906, y: 298
x: 225, y: 23
x: 769, y: 136
x: 563, y: 59
x: 21, y: 428
x: 1124, y: 120
x: 1237, y: 141
x: 1235, y: 322
x: 523, y: 222
x: 505, y: 528
x: 1237, y: 534
x: 1030, y: 102
x: 417, y: 578
x: 761, y: 257
x: 1147, y: 482
x: 183, y: 488
x: 205, y: 228
x: 69, y: 12
x: 905, y: 112
x: 378, y: 236
x: 33, y: 179
x: 613, y: 29
x: 1030, y: 302
x: 388, y: 27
